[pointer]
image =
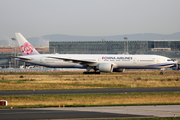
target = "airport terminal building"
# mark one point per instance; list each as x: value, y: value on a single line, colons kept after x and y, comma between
x: 168, y: 48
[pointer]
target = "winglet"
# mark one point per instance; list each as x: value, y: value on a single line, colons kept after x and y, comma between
x: 25, y: 46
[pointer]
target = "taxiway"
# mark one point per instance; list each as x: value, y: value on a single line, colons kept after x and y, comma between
x: 90, y: 91
x: 113, y: 112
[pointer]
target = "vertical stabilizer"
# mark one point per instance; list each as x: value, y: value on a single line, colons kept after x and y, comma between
x: 25, y: 46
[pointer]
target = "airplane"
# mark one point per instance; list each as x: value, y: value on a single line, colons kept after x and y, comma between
x: 96, y: 62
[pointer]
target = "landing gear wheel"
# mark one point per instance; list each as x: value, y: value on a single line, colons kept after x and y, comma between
x: 161, y: 73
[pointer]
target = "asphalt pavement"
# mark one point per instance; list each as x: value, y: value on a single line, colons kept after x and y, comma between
x: 33, y: 114
x: 91, y: 91
x: 105, y: 112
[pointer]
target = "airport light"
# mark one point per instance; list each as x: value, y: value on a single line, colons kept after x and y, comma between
x: 13, y: 39
x: 9, y: 64
x: 55, y: 46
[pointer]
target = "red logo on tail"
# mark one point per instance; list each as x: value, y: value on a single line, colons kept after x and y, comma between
x: 26, y: 48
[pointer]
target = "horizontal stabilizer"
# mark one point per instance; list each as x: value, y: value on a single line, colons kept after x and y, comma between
x: 22, y: 58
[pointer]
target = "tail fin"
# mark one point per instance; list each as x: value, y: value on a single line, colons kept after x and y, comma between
x: 25, y: 46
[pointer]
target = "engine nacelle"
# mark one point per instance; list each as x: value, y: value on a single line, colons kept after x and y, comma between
x: 118, y: 70
x: 105, y: 67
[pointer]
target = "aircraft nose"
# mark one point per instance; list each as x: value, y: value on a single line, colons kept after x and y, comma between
x: 176, y: 61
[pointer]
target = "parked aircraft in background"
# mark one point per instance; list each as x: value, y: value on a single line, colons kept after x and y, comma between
x: 97, y: 62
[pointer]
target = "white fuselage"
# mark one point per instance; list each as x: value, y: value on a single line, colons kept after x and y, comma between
x: 118, y: 60
x: 101, y: 62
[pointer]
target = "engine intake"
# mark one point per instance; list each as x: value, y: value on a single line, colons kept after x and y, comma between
x: 105, y: 67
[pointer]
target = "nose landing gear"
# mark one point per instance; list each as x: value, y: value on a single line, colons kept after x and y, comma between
x: 162, y: 70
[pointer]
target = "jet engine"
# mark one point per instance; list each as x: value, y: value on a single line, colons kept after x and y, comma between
x: 105, y: 67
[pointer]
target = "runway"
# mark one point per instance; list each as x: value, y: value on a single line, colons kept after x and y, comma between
x: 90, y: 91
x: 53, y: 113
x: 113, y: 112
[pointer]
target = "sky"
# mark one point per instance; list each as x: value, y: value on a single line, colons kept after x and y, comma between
x: 35, y: 18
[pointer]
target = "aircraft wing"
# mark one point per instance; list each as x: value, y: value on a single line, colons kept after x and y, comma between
x: 81, y: 61
x: 21, y: 58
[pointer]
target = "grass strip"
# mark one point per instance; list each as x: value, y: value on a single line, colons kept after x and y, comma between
x: 83, y: 100
x: 76, y: 80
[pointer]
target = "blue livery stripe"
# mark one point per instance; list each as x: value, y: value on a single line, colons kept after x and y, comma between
x: 162, y: 64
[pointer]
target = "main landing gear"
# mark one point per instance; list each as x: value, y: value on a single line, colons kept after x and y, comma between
x: 89, y: 68
x: 93, y: 72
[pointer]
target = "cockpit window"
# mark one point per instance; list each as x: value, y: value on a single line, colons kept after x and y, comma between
x: 171, y: 59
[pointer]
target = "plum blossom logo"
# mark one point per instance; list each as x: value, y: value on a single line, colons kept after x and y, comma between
x: 26, y: 48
